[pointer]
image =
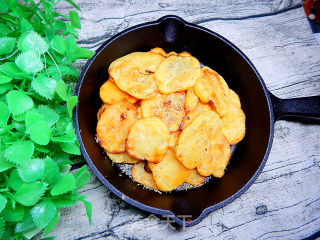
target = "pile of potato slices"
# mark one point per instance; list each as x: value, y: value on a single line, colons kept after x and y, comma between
x: 168, y: 116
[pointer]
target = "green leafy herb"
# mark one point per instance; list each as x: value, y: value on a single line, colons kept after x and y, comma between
x: 37, y: 49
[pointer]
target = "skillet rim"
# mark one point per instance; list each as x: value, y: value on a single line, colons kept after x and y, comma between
x: 138, y: 204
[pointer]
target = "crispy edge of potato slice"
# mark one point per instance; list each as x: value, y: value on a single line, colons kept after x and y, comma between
x: 234, y: 98
x: 129, y: 79
x: 110, y: 93
x: 169, y: 173
x: 211, y: 86
x: 234, y: 124
x: 101, y: 110
x: 169, y: 108
x: 140, y: 175
x: 114, y: 125
x: 195, y: 141
x: 121, y: 158
x: 146, y: 62
x: 185, y: 54
x: 173, y: 139
x: 148, y: 139
x: 219, y: 158
x: 191, y: 100
x: 159, y: 51
x: 177, y: 73
x: 194, y: 178
x: 200, y: 108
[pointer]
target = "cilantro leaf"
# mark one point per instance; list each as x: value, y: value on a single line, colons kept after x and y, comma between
x: 71, y: 103
x: 72, y: 148
x: 61, y: 90
x: 53, y: 222
x: 40, y: 133
x: 11, y: 69
x: 51, y: 171
x: 65, y: 184
x: 43, y: 213
x: 50, y: 115
x: 82, y: 177
x: 4, y: 114
x: 32, y: 171
x: 88, y: 207
x: 44, y: 86
x: 29, y: 62
x: 4, y: 165
x: 32, y: 117
x: 11, y: 214
x: 31, y: 40
x: 19, y: 152
x: 18, y: 102
x: 74, y: 18
x: 14, y: 181
x: 26, y: 224
x: 3, y: 202
x: 30, y: 193
x: 58, y: 44
x: 4, y: 78
x: 7, y: 45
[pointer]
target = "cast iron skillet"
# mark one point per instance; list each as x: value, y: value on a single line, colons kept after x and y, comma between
x: 261, y: 109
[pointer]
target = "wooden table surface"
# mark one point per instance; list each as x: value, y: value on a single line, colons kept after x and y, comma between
x: 284, y: 202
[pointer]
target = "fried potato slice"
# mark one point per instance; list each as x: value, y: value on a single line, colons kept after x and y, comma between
x: 169, y: 173
x: 114, y: 124
x: 234, y: 98
x: 234, y: 124
x: 195, y: 178
x: 191, y: 101
x: 140, y: 175
x: 218, y: 159
x: 177, y: 73
x: 101, y: 110
x: 110, y: 94
x: 195, y: 143
x: 200, y: 108
x: 131, y: 80
x: 169, y: 108
x: 172, y: 54
x: 185, y: 54
x: 173, y: 139
x: 146, y: 62
x: 148, y: 139
x: 212, y: 87
x: 159, y: 51
x: 121, y: 158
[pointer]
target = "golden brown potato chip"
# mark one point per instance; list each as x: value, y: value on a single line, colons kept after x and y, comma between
x: 169, y: 173
x: 195, y: 143
x: 234, y: 124
x: 129, y: 79
x: 101, y: 110
x: 114, y: 124
x: 172, y: 54
x: 173, y: 139
x: 110, y: 94
x: 140, y: 175
x: 159, y: 51
x: 191, y: 101
x: 200, y: 108
x: 177, y: 73
x: 148, y: 139
x: 217, y: 161
x: 185, y: 54
x: 146, y: 62
x: 195, y: 178
x: 169, y: 108
x: 234, y: 98
x: 212, y: 87
x: 121, y: 158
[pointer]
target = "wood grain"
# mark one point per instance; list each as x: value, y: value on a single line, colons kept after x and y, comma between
x: 284, y: 202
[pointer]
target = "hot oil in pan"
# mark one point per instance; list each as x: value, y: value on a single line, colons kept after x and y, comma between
x: 126, y: 170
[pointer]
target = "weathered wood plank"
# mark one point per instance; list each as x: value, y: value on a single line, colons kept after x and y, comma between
x: 284, y: 202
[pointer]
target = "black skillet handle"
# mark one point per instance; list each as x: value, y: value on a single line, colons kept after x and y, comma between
x: 295, y: 108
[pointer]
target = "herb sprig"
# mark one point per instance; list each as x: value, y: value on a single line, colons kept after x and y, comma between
x: 37, y: 139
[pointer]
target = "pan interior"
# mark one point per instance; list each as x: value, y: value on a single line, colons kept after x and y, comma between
x: 212, y: 51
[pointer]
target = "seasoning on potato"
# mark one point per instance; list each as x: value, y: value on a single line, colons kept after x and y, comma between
x: 170, y: 118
